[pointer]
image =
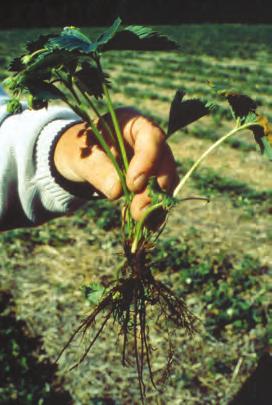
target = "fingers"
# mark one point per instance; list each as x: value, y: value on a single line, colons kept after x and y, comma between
x: 152, y: 157
x: 167, y: 175
x: 148, y: 147
x: 139, y: 203
x: 78, y: 157
x: 99, y: 171
x: 167, y: 178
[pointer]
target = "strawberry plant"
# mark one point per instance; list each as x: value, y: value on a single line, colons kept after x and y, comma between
x: 68, y: 66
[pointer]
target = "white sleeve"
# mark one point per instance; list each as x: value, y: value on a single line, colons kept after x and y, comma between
x: 30, y: 191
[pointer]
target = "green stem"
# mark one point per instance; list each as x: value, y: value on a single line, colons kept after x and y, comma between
x: 74, y: 107
x: 68, y: 86
x: 73, y: 93
x: 116, y: 127
x: 206, y: 153
x: 109, y: 153
x: 83, y: 114
x: 97, y: 113
x: 30, y: 57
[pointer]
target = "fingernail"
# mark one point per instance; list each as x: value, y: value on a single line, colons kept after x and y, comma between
x: 140, y: 181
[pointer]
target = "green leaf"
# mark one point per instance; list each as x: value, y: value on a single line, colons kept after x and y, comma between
x: 10, y: 82
x: 251, y: 117
x: 133, y: 37
x: 183, y: 113
x: 267, y: 148
x: 14, y: 106
x: 72, y: 39
x: 50, y: 59
x: 90, y: 79
x: 109, y: 33
x: 136, y: 37
x: 217, y: 88
x: 15, y: 84
x: 157, y: 195
x: 94, y: 293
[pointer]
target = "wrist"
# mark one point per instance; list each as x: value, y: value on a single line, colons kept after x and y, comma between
x: 63, y: 160
x: 67, y: 153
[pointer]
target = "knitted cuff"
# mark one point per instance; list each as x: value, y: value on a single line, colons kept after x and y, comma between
x: 61, y: 194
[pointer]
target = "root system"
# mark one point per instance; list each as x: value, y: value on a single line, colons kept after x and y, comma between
x: 130, y: 301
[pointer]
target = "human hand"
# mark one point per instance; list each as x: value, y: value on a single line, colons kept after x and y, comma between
x: 80, y: 160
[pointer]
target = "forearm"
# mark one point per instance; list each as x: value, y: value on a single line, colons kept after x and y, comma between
x: 30, y: 194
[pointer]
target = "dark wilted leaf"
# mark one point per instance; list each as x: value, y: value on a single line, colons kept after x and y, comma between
x: 39, y: 43
x: 241, y: 104
x: 183, y: 113
x: 40, y: 93
x: 16, y: 65
x: 71, y: 65
x: 36, y: 103
x: 43, y: 90
x: 263, y: 135
x: 90, y: 79
x: 136, y: 37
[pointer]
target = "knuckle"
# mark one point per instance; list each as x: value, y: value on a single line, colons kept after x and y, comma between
x: 146, y: 125
x: 158, y: 134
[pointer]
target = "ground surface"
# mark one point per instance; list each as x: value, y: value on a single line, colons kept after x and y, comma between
x: 217, y: 255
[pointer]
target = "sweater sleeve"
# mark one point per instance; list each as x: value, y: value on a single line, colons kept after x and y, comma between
x: 30, y: 192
